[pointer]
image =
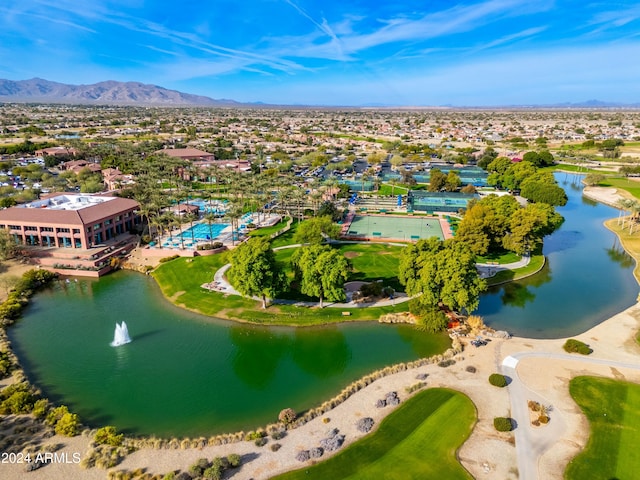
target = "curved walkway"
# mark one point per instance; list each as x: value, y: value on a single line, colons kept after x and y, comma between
x: 490, y: 269
x: 220, y: 283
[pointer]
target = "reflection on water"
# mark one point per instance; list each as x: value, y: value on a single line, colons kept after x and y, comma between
x: 184, y: 374
x: 618, y: 254
x: 591, y: 280
x: 322, y: 353
x: 562, y: 240
x: 258, y: 352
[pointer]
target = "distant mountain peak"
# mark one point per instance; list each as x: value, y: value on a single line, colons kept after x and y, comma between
x: 108, y: 92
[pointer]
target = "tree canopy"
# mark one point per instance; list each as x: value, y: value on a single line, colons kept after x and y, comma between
x: 314, y: 230
x: 441, y: 272
x: 495, y: 223
x: 529, y: 225
x: 255, y: 270
x: 321, y: 271
x: 486, y: 222
x: 437, y: 180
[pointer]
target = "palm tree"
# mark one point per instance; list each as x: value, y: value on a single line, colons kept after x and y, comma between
x: 234, y: 213
x: 393, y: 183
x: 624, y: 204
x: 634, y: 208
x: 210, y: 217
x: 366, y: 175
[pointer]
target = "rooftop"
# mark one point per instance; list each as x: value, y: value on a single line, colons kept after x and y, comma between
x: 67, y: 202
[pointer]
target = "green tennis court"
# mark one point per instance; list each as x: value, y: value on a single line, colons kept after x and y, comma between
x: 406, y: 229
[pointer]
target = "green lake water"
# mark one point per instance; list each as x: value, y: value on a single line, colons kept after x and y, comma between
x: 184, y: 374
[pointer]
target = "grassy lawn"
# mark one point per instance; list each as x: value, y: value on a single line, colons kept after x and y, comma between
x: 418, y: 440
x: 370, y: 262
x: 266, y: 231
x: 631, y: 243
x: 180, y: 281
x: 624, y: 184
x: 613, y: 410
x: 499, y: 257
x: 386, y: 189
x: 535, y: 265
x: 286, y: 238
x: 374, y: 262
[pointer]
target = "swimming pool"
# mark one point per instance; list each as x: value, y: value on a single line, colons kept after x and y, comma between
x: 204, y: 231
x: 217, y: 207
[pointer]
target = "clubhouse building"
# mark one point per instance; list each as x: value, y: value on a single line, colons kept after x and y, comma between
x: 73, y: 221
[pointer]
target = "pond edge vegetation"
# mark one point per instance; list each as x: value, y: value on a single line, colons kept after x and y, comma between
x: 107, y: 454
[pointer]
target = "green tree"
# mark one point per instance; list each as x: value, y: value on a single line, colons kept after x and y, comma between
x: 255, y: 270
x: 437, y: 180
x: 593, y: 179
x: 475, y: 229
x: 322, y: 272
x: 314, y: 230
x: 452, y: 182
x: 441, y: 272
x: 540, y: 189
x: 529, y: 225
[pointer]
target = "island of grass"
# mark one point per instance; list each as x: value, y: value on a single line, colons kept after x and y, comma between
x: 180, y: 281
x: 613, y: 410
x: 418, y: 440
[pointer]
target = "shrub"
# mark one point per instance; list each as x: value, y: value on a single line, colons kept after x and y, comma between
x: 195, y: 470
x: 260, y: 442
x: 56, y: 414
x: 498, y: 380
x: 544, y: 419
x: 257, y: 435
x: 234, y: 460
x: 17, y: 398
x: 108, y: 436
x: 415, y: 387
x: 275, y: 447
x: 576, y: 346
x: 40, y: 408
x: 287, y: 415
x: 168, y: 259
x: 212, y: 473
x: 6, y: 365
x: 533, y: 406
x: 277, y: 435
x: 68, y: 425
x: 503, y: 424
x: 373, y: 289
x: 446, y: 363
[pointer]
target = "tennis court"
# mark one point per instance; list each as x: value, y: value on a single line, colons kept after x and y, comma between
x: 407, y: 229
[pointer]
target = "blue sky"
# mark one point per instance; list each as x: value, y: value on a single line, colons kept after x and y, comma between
x: 349, y: 52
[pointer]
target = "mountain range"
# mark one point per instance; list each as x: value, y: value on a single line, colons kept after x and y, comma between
x: 38, y: 90
x: 103, y: 93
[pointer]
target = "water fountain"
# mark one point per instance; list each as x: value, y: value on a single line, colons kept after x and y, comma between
x: 121, y: 335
